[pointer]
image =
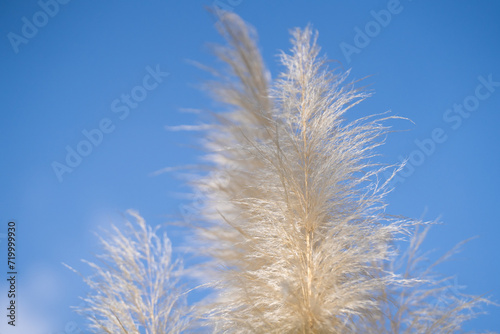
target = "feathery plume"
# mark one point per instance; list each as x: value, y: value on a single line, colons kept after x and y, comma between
x: 135, y: 288
x: 296, y: 234
x: 291, y: 218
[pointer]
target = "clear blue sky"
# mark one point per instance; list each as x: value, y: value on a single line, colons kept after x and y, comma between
x: 74, y: 72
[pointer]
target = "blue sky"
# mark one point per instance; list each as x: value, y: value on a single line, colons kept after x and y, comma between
x: 436, y: 63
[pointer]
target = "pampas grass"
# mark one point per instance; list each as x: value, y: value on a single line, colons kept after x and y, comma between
x: 294, y: 236
x: 298, y: 238
x: 135, y: 284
